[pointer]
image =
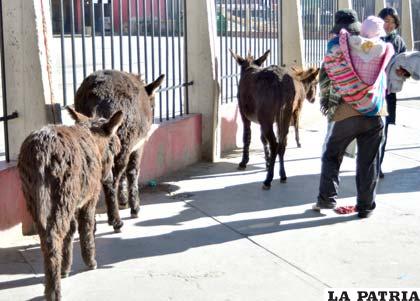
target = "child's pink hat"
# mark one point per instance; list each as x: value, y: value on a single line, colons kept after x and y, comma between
x: 372, y: 27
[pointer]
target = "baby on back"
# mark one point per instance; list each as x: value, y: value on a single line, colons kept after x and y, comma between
x: 367, y: 50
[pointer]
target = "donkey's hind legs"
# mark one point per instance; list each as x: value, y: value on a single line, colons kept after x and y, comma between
x: 267, y: 131
x: 132, y: 172
x: 247, y: 141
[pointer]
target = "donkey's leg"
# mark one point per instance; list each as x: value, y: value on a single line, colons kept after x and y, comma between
x: 267, y: 131
x: 122, y: 192
x: 296, y: 114
x: 132, y: 172
x: 68, y: 250
x: 52, y: 246
x: 110, y: 185
x: 283, y: 123
x: 247, y: 141
x: 266, y: 151
x: 86, y: 220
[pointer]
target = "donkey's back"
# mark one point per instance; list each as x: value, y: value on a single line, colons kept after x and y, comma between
x: 264, y: 92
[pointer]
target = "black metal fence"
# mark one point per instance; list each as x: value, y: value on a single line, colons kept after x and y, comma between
x: 317, y: 21
x: 364, y: 8
x: 245, y: 26
x: 140, y: 36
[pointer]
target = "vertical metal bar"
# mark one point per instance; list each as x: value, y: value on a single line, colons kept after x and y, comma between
x: 221, y: 50
x: 180, y: 56
x: 63, y: 54
x: 153, y: 38
x: 173, y: 57
x: 159, y: 55
x: 241, y: 28
x: 236, y: 44
x: 3, y: 87
x: 145, y: 42
x: 167, y: 58
x: 231, y: 61
x: 120, y: 11
x: 92, y: 20
x: 73, y: 47
x: 187, y: 107
x: 246, y: 25
x: 103, y: 34
x: 82, y: 4
x: 138, y: 36
x: 226, y: 51
x: 254, y: 29
x: 130, y: 60
x: 112, y: 35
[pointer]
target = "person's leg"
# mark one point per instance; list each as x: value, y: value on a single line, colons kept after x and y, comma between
x: 391, y: 102
x: 341, y: 134
x: 368, y: 144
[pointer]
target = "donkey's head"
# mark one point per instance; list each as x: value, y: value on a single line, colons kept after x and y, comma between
x: 249, y: 60
x: 309, y: 79
x: 104, y: 134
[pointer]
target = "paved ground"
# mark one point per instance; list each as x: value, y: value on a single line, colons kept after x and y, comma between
x: 211, y: 233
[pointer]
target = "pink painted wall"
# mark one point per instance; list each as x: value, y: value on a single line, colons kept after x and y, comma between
x: 231, y: 127
x: 12, y: 204
x: 172, y: 146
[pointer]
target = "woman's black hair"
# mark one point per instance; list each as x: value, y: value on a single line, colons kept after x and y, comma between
x: 390, y: 11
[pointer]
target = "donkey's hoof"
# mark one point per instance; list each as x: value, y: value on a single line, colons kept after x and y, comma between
x: 299, y: 145
x: 266, y: 187
x: 64, y: 275
x: 283, y: 180
x: 117, y: 226
x: 241, y: 166
x: 92, y: 266
x: 134, y: 213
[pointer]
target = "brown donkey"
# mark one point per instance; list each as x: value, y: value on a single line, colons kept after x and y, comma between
x: 268, y: 95
x: 61, y: 169
x: 103, y: 93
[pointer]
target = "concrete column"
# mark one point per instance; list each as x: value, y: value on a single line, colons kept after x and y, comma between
x: 292, y: 33
x: 407, y: 24
x: 27, y: 33
x: 379, y: 5
x: 202, y: 69
x: 342, y: 4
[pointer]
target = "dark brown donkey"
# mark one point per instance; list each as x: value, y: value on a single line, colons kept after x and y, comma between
x: 61, y: 169
x: 103, y: 93
x: 268, y: 95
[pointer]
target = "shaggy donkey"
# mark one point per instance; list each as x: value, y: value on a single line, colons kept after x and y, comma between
x: 102, y: 93
x: 300, y: 96
x: 61, y: 169
x: 268, y: 95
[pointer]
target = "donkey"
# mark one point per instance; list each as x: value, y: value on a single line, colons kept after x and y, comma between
x: 103, y: 93
x: 61, y: 169
x: 268, y: 95
x: 298, y: 103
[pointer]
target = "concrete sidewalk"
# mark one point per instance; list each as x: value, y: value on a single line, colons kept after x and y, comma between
x: 211, y: 232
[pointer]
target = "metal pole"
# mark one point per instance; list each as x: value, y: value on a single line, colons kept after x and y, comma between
x: 3, y: 86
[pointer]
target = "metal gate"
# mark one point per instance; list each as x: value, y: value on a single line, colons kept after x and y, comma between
x: 317, y: 21
x: 364, y: 8
x: 140, y: 36
x: 245, y: 26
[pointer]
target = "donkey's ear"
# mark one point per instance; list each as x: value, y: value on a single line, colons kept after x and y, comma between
x: 240, y: 60
x: 76, y: 116
x: 312, y: 74
x: 259, y: 61
x: 150, y: 88
x: 111, y: 127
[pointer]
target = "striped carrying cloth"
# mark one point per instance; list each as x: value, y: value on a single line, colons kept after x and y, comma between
x: 366, y: 99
